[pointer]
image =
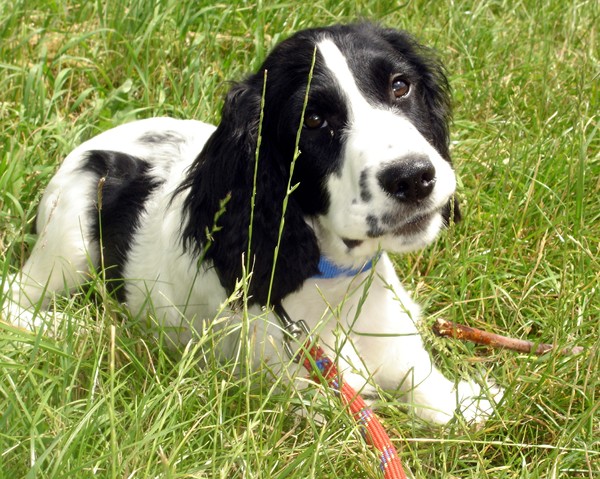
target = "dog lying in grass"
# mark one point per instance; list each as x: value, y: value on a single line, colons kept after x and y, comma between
x: 335, y: 151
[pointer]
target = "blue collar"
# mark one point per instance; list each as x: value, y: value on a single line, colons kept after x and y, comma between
x: 330, y: 270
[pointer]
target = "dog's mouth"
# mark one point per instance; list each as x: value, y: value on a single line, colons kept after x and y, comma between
x: 352, y: 243
x: 412, y: 227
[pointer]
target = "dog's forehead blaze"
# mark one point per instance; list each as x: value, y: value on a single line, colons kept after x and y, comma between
x: 337, y: 65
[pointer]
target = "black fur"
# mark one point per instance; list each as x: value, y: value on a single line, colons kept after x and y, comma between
x: 123, y: 188
x: 225, y: 169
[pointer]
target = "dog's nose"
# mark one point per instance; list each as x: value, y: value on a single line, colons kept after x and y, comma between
x: 410, y: 179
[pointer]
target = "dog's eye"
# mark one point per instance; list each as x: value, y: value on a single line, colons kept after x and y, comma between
x: 312, y: 121
x: 400, y: 87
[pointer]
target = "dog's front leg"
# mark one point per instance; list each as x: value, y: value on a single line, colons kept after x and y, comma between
x: 389, y: 345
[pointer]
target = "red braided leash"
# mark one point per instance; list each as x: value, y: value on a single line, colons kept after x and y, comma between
x: 374, y: 433
x: 322, y: 369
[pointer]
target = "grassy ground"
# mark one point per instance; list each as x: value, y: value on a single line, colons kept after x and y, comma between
x: 524, y: 262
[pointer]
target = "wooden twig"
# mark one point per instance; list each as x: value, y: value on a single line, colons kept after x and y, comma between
x: 450, y: 329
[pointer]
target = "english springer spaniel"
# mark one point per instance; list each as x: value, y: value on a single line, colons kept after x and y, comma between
x: 334, y: 152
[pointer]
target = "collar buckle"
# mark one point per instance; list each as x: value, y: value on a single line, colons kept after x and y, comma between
x: 295, y: 331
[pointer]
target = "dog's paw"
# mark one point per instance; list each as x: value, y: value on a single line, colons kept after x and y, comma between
x: 477, y: 403
x: 439, y: 400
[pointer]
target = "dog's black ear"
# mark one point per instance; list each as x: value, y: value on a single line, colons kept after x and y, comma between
x: 452, y: 211
x: 219, y: 191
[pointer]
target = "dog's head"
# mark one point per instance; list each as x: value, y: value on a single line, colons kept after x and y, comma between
x: 373, y: 169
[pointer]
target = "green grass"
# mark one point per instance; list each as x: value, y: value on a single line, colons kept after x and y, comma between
x: 525, y: 261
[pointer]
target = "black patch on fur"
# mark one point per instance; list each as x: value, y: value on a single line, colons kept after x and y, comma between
x: 374, y: 230
x: 365, y: 193
x: 160, y: 137
x: 124, y: 184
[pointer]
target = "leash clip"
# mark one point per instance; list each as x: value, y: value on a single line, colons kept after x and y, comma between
x: 294, y: 332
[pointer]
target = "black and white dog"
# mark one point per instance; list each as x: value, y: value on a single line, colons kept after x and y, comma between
x: 174, y: 211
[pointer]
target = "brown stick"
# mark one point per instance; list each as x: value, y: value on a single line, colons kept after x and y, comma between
x: 454, y: 330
